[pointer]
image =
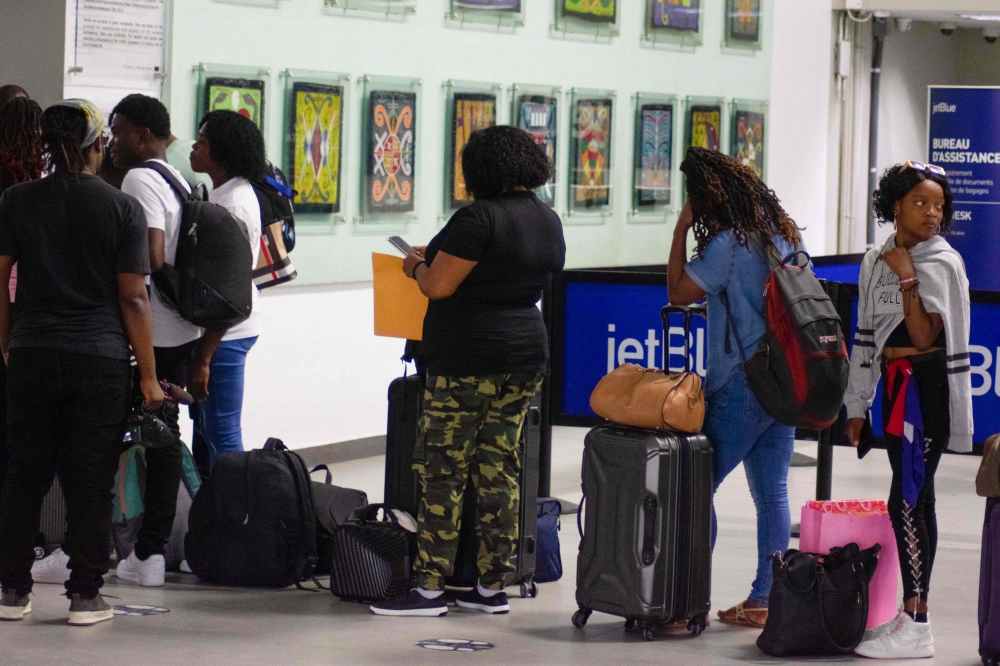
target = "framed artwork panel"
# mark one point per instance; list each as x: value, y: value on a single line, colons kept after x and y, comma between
x: 654, y: 154
x: 244, y: 96
x: 591, y: 161
x: 603, y: 11
x: 470, y: 112
x: 490, y: 5
x: 748, y: 139
x: 538, y: 116
x: 390, y: 148
x: 705, y: 127
x: 743, y: 20
x: 683, y: 15
x: 316, y: 124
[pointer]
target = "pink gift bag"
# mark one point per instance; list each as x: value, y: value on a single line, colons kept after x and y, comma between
x: 866, y: 523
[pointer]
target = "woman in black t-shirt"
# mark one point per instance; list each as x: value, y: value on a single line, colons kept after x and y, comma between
x: 486, y: 352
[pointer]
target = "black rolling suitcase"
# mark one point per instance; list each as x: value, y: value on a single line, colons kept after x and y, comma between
x: 402, y: 486
x: 645, y: 549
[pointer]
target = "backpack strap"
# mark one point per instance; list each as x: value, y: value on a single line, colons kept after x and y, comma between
x: 164, y: 172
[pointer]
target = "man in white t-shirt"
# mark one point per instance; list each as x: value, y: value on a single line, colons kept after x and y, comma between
x: 140, y: 126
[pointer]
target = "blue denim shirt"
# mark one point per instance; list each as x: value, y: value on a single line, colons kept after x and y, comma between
x: 741, y: 272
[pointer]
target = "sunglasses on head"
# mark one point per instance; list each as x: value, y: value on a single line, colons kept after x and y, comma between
x: 926, y: 168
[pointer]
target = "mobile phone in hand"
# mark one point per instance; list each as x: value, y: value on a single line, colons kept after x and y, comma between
x: 402, y: 246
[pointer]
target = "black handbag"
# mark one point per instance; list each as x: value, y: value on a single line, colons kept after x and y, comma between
x: 372, y: 559
x: 818, y: 603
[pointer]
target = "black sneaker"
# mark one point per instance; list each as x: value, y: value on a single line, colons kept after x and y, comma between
x: 412, y: 604
x: 14, y: 606
x: 85, y: 612
x: 496, y: 604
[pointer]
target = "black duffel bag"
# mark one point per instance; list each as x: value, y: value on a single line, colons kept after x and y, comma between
x: 372, y: 559
x: 252, y: 523
x: 818, y: 603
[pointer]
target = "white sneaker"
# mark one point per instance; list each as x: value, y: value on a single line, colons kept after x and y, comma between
x: 148, y: 573
x: 907, y: 640
x: 52, y: 570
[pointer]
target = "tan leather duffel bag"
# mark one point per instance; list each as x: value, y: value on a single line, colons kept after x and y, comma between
x: 646, y: 398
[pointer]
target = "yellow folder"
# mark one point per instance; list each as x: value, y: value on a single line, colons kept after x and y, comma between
x: 399, y: 305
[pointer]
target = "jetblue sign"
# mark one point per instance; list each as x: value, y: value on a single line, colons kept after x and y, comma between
x: 964, y: 138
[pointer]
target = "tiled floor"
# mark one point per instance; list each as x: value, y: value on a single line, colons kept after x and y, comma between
x: 209, y: 625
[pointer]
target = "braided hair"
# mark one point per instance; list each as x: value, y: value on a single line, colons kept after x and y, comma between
x: 20, y: 142
x: 725, y: 194
x: 64, y: 129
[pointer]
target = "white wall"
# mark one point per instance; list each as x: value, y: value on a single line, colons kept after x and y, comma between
x: 31, y: 47
x: 800, y: 97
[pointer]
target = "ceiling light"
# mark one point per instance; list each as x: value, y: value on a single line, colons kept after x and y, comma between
x: 981, y: 17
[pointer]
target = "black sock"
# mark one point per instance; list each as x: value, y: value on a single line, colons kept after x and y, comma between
x: 920, y: 617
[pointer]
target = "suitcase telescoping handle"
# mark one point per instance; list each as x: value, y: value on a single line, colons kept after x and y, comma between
x: 688, y: 312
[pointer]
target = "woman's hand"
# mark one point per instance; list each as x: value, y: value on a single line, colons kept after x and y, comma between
x: 686, y: 219
x: 421, y: 250
x: 854, y: 427
x: 152, y: 394
x: 899, y: 262
x: 411, y: 262
x: 197, y: 380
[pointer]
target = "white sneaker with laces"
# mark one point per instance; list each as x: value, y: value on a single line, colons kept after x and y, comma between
x: 52, y: 570
x: 883, y: 629
x: 148, y: 573
x: 907, y: 640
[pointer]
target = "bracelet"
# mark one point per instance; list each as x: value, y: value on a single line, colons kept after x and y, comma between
x: 910, y: 286
x: 415, y: 267
x: 907, y: 281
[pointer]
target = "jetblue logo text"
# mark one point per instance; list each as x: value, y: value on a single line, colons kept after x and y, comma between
x: 649, y: 350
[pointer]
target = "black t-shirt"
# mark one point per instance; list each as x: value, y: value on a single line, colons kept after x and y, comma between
x: 490, y: 325
x: 71, y: 238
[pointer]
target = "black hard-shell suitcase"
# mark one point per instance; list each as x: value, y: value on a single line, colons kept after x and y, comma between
x: 402, y: 485
x: 646, y: 550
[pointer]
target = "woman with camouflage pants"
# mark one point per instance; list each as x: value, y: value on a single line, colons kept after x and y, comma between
x: 486, y: 351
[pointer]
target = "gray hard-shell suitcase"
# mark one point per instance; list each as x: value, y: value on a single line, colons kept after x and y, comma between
x: 645, y: 549
x: 646, y: 552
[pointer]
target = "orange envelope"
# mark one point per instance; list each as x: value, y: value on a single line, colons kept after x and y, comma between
x: 399, y: 305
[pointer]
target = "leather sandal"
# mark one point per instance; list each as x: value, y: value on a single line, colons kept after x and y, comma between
x: 741, y: 615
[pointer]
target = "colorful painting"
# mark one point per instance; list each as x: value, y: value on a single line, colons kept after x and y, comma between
x: 537, y: 115
x: 654, y: 154
x: 470, y: 112
x: 748, y: 140
x: 705, y: 127
x: 591, y: 10
x: 591, y: 153
x: 244, y: 96
x: 743, y: 17
x: 389, y: 185
x: 676, y: 14
x: 316, y: 121
x: 490, y: 5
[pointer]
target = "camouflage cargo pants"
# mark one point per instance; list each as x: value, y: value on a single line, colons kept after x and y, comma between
x: 471, y: 427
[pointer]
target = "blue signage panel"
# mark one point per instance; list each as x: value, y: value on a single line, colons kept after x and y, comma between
x: 610, y: 324
x: 964, y: 138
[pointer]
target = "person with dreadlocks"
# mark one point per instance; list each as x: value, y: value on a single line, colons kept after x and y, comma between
x: 913, y: 335
x: 728, y: 207
x: 83, y: 254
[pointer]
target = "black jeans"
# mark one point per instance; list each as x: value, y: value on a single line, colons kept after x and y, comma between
x: 916, y: 526
x: 69, y: 407
x: 163, y: 464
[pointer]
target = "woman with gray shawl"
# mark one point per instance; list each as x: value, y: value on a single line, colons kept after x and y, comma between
x: 913, y: 325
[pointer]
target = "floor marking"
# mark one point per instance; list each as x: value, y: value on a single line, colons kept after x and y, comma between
x: 455, y: 645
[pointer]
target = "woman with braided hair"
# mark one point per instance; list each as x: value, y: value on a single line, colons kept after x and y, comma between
x: 729, y: 208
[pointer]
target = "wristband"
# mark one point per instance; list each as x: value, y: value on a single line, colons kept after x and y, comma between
x: 907, y: 281
x: 415, y: 267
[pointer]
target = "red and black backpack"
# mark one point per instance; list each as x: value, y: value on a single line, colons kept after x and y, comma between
x: 799, y: 371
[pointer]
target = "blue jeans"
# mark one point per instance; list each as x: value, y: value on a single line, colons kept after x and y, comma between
x: 741, y: 432
x: 219, y: 415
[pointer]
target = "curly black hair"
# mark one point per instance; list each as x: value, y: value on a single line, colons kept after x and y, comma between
x: 235, y: 143
x: 20, y: 142
x: 145, y: 111
x: 503, y: 158
x: 897, y: 183
x: 64, y: 129
x: 725, y: 194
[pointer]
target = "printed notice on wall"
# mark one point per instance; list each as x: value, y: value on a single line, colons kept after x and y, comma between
x: 115, y: 43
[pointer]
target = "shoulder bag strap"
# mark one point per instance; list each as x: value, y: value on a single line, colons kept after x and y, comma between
x: 863, y: 597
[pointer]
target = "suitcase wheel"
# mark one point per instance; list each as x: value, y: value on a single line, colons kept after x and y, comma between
x: 529, y: 588
x: 580, y: 618
x: 697, y: 624
x: 629, y: 625
x: 649, y: 634
x: 988, y: 660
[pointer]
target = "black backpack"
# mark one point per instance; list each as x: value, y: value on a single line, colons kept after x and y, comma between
x: 210, y: 283
x: 253, y: 522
